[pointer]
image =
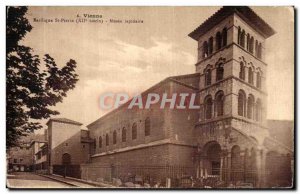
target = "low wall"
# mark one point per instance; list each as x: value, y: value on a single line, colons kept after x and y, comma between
x: 135, y: 174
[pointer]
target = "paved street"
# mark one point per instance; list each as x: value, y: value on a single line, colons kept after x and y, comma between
x: 29, y: 180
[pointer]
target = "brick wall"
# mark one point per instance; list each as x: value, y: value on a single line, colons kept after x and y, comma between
x: 156, y: 162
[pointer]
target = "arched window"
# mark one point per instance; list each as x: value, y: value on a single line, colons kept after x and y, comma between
x: 219, y: 103
x: 107, y: 140
x: 242, y: 71
x: 256, y: 48
x: 134, y: 131
x: 205, y: 49
x: 259, y: 51
x: 248, y: 42
x: 258, y: 110
x: 220, y: 72
x: 241, y: 103
x: 207, y: 76
x: 239, y: 35
x: 242, y: 41
x: 100, y: 142
x: 258, y: 80
x: 147, y: 126
x: 208, y: 104
x: 250, y: 75
x: 251, y: 45
x: 94, y: 144
x: 224, y: 37
x: 124, y: 134
x: 250, y: 106
x: 114, y: 137
x: 219, y: 40
x: 210, y: 45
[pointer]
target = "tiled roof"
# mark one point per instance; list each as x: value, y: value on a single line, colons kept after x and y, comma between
x: 64, y: 120
x: 246, y: 13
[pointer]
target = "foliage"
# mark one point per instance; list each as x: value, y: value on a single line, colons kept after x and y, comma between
x: 33, y: 86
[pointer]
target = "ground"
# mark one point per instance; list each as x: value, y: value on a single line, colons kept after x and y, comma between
x: 30, y: 180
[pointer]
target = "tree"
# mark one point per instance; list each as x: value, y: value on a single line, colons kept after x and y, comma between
x: 33, y: 86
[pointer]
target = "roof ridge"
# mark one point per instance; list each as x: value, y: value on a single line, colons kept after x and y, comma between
x: 64, y: 120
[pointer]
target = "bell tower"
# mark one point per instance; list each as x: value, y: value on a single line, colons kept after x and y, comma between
x: 232, y: 90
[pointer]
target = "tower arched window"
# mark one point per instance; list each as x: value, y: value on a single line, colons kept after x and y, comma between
x: 100, y: 142
x: 242, y: 71
x: 147, y: 126
x: 242, y: 41
x: 250, y: 106
x: 124, y: 134
x: 251, y: 45
x: 248, y: 42
x: 220, y: 72
x: 107, y: 140
x: 258, y: 110
x: 134, y: 131
x: 239, y: 35
x: 114, y: 137
x: 219, y: 40
x: 208, y: 105
x: 219, y: 103
x: 250, y: 75
x: 259, y: 51
x: 207, y: 76
x: 210, y: 45
x: 258, y: 80
x: 205, y: 49
x: 256, y: 48
x: 224, y: 37
x: 241, y: 103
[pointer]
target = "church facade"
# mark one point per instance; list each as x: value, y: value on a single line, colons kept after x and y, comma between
x: 225, y: 141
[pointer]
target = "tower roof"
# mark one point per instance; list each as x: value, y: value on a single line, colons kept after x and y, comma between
x: 246, y: 13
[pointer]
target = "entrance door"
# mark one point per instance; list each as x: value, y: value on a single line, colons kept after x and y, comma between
x: 213, y: 159
x: 210, y: 164
x: 215, y: 167
x: 66, y: 159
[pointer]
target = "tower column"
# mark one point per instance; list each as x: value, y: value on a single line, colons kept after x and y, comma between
x: 228, y: 159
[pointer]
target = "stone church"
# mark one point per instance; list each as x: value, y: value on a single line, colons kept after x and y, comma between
x: 226, y: 140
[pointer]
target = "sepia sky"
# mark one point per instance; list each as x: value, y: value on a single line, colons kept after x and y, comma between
x: 132, y: 57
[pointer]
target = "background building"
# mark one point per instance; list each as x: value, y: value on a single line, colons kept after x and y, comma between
x: 20, y: 159
x: 40, y: 155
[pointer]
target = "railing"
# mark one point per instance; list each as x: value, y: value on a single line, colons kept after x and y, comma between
x: 176, y: 176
